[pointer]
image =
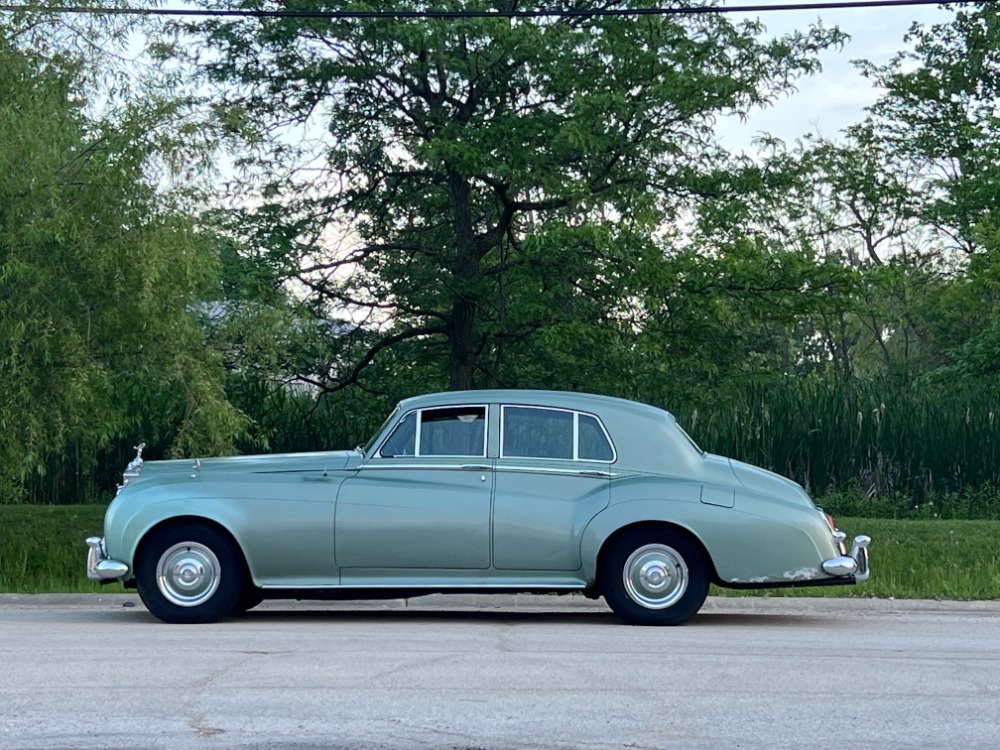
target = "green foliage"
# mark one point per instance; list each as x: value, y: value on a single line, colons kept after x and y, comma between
x: 971, y: 503
x: 42, y: 547
x: 488, y: 202
x: 99, y: 282
x: 970, y: 311
x: 939, y: 109
x: 500, y: 178
x: 287, y: 420
x: 743, y: 313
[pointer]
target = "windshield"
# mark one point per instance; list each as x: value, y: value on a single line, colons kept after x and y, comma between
x: 371, y: 443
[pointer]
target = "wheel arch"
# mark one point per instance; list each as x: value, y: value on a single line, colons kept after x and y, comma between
x: 186, y: 520
x: 651, y: 525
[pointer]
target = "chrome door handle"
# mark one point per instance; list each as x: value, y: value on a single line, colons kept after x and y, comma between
x: 595, y: 473
x: 477, y: 467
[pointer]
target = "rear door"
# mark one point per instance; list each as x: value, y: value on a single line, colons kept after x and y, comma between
x: 552, y: 477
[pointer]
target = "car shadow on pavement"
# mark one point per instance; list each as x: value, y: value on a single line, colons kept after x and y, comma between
x: 708, y: 619
x: 417, y: 614
x: 299, y: 612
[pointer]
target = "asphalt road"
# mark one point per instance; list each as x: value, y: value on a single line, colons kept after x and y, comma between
x: 487, y: 673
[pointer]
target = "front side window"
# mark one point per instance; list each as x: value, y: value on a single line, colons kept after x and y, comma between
x: 374, y: 438
x: 459, y: 431
x: 451, y: 431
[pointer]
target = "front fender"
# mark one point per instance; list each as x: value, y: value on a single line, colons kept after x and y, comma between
x: 131, y: 526
x: 285, y: 541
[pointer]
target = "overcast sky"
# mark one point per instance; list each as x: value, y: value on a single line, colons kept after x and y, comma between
x: 834, y: 98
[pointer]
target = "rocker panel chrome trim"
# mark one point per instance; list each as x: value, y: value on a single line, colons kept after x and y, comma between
x: 430, y: 587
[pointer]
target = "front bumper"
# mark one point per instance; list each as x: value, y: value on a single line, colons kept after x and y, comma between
x: 99, y: 566
x: 855, y: 563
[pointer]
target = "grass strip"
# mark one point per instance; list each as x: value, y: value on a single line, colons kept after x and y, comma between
x: 42, y: 551
x: 42, y: 548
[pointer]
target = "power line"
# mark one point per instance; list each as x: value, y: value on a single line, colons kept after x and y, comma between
x: 445, y: 14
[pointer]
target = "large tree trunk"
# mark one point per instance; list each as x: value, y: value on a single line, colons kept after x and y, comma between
x: 463, y: 356
x: 466, y: 271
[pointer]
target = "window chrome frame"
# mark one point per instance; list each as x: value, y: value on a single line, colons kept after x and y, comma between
x: 416, y: 438
x: 576, y: 434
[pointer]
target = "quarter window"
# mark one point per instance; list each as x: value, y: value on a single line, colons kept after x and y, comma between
x: 594, y: 444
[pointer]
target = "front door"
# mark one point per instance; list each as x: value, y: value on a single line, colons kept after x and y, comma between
x: 421, y: 501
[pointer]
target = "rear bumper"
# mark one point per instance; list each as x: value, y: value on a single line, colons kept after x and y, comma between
x: 844, y: 570
x: 99, y: 566
x: 855, y: 564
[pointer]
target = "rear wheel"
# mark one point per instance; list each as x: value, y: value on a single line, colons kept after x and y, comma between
x: 654, y: 577
x: 190, y: 574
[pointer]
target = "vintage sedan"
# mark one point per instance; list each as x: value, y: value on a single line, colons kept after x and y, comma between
x: 474, y: 491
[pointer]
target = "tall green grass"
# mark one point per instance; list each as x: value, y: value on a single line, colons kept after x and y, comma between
x: 871, y: 439
x: 42, y: 547
x: 876, y: 447
x: 289, y: 421
x: 284, y: 421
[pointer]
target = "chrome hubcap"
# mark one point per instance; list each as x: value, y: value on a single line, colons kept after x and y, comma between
x: 655, y: 576
x: 188, y: 574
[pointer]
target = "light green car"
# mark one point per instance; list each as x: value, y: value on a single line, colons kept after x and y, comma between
x: 473, y: 491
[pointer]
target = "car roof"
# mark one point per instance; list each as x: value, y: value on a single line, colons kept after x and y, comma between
x: 587, y: 402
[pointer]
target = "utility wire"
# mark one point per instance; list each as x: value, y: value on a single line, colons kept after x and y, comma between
x: 538, y: 13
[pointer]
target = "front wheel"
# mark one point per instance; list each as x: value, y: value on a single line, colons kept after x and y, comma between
x: 654, y: 577
x: 190, y: 574
x: 250, y: 598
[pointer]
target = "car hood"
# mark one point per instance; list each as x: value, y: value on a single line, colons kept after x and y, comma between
x: 268, y: 463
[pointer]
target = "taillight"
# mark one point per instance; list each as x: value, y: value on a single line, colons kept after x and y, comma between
x: 830, y: 523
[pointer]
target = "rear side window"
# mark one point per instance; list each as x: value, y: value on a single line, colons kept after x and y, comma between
x: 535, y: 432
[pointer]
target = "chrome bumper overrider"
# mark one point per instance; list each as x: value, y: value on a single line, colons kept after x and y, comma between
x: 855, y: 563
x: 99, y: 566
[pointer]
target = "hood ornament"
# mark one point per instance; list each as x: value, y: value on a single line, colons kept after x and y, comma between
x: 134, y: 467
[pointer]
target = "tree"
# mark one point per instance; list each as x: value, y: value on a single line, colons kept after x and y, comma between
x: 100, y: 282
x: 964, y: 315
x: 497, y: 177
x: 939, y: 109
